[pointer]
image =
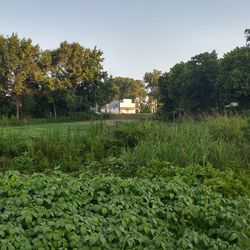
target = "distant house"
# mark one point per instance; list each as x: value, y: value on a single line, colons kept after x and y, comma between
x: 124, y: 106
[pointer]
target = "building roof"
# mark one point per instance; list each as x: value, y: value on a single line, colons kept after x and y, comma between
x: 114, y: 104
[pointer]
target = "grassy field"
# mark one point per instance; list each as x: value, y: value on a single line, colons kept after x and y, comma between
x: 133, y: 184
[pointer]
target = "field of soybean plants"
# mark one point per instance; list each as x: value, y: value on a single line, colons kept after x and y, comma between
x: 126, y: 185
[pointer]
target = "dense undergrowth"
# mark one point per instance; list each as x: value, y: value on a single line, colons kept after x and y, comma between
x: 222, y: 142
x: 141, y: 185
x: 165, y: 212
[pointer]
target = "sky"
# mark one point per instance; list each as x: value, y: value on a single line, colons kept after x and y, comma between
x: 136, y: 36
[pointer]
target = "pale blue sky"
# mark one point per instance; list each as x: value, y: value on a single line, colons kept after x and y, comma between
x: 136, y: 36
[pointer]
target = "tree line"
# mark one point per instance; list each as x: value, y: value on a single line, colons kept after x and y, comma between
x: 204, y: 84
x: 68, y: 79
x: 71, y: 79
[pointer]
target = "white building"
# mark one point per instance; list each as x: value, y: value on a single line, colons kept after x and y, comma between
x: 124, y: 106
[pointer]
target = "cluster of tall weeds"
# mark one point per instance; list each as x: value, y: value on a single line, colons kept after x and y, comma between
x: 222, y: 142
x: 219, y: 141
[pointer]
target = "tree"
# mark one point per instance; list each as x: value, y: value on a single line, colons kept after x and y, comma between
x: 176, y: 86
x: 18, y: 67
x: 79, y: 70
x: 166, y: 104
x: 3, y: 82
x: 104, y: 90
x: 128, y: 88
x: 72, y: 76
x: 190, y: 87
x: 247, y: 35
x: 75, y: 65
x: 151, y: 79
x: 200, y: 86
x: 234, y: 78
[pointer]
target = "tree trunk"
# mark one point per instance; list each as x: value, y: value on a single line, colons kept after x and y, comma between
x: 54, y: 107
x: 17, y: 111
x: 18, y: 104
x: 174, y: 116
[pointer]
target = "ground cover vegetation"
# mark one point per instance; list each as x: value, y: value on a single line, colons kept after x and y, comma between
x: 139, y: 185
x: 64, y: 212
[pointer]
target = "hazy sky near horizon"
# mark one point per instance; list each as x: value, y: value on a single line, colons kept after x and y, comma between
x: 136, y: 36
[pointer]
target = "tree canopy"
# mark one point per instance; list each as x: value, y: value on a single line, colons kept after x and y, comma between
x: 206, y: 83
x: 190, y: 87
x: 234, y: 77
x: 67, y: 79
x: 19, y: 67
x: 71, y: 78
x: 128, y: 88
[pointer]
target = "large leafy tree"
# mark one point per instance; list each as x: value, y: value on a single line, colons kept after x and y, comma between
x: 18, y: 67
x: 73, y: 78
x: 176, y: 85
x: 234, y: 77
x: 80, y: 71
x: 74, y: 65
x: 53, y: 86
x: 166, y: 104
x: 190, y: 87
x: 151, y: 79
x: 129, y: 88
x: 199, y: 89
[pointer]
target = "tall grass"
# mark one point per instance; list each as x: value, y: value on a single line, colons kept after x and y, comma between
x: 218, y: 141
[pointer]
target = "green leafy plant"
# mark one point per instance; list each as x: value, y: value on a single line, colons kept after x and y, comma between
x: 64, y: 212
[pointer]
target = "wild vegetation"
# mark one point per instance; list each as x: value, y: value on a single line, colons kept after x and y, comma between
x: 137, y: 185
x: 222, y: 142
x: 64, y: 212
x: 122, y: 184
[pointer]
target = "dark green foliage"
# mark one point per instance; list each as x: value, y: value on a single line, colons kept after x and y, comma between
x: 51, y: 83
x: 59, y: 211
x: 189, y: 88
x: 234, y: 78
x: 206, y: 85
x: 124, y: 137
